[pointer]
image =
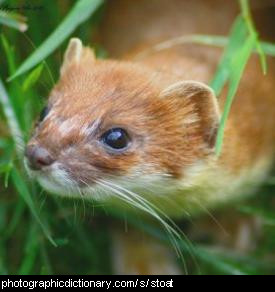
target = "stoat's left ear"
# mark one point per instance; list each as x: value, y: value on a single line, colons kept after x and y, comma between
x: 201, y: 106
x: 76, y: 53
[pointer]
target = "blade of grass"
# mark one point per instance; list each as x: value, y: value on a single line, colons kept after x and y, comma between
x: 13, y: 21
x: 219, y: 41
x: 221, y: 265
x: 267, y: 216
x: 3, y: 222
x: 7, y: 173
x: 3, y: 270
x: 30, y: 252
x: 231, y: 263
x: 237, y: 68
x: 17, y: 101
x: 4, y: 143
x: 11, y: 120
x: 81, y: 11
x: 269, y: 48
x: 46, y: 268
x: 32, y: 77
x: 245, y: 8
x: 9, y: 53
x: 22, y: 189
x: 237, y: 35
x: 16, y: 218
x: 200, y: 39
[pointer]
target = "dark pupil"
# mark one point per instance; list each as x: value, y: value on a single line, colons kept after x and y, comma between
x: 116, y: 138
x: 44, y: 113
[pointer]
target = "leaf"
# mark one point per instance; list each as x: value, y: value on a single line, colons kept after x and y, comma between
x: 237, y: 35
x: 231, y: 263
x: 4, y: 143
x: 237, y: 67
x: 222, y: 41
x: 269, y: 48
x: 9, y: 53
x: 22, y: 189
x: 30, y: 251
x: 3, y: 271
x: 16, y: 218
x: 32, y: 77
x: 6, y: 169
x: 11, y: 119
x: 202, y: 39
x: 78, y: 14
x: 14, y: 21
x: 251, y: 28
x: 267, y: 215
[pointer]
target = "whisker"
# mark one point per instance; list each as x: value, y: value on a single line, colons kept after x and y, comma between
x: 152, y: 206
x: 215, y: 220
x: 82, y: 180
x: 82, y: 200
x: 167, y: 227
x: 149, y: 208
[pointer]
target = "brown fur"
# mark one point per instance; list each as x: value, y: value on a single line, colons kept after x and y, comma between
x: 243, y: 144
x: 132, y: 103
x: 129, y: 96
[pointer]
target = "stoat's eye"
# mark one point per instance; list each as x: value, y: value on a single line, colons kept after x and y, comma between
x: 116, y: 138
x: 44, y: 113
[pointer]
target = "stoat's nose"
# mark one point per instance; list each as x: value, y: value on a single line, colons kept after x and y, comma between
x: 38, y: 157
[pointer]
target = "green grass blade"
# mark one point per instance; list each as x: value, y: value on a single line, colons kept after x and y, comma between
x: 237, y: 35
x: 269, y: 48
x: 237, y: 68
x: 9, y: 53
x: 11, y: 119
x: 203, y: 39
x: 244, y: 4
x: 230, y: 262
x: 16, y: 218
x: 32, y: 77
x: 23, y: 190
x: 3, y: 270
x: 46, y: 268
x: 221, y: 41
x: 11, y: 20
x: 267, y: 216
x: 3, y: 254
x: 30, y: 252
x: 81, y: 11
x: 224, y: 267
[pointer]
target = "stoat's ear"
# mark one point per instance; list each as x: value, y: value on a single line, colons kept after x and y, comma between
x: 75, y: 53
x: 201, y: 107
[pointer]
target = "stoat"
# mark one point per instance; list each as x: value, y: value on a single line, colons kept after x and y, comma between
x: 133, y: 130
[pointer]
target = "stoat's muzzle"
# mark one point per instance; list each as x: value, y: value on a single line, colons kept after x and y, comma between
x: 38, y: 157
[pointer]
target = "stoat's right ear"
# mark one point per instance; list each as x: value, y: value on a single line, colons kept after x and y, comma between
x: 201, y: 106
x: 76, y: 53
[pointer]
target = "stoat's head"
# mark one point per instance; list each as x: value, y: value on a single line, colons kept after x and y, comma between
x: 111, y: 123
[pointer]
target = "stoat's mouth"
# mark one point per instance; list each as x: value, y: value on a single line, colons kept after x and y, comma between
x: 58, y: 187
x: 56, y: 180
